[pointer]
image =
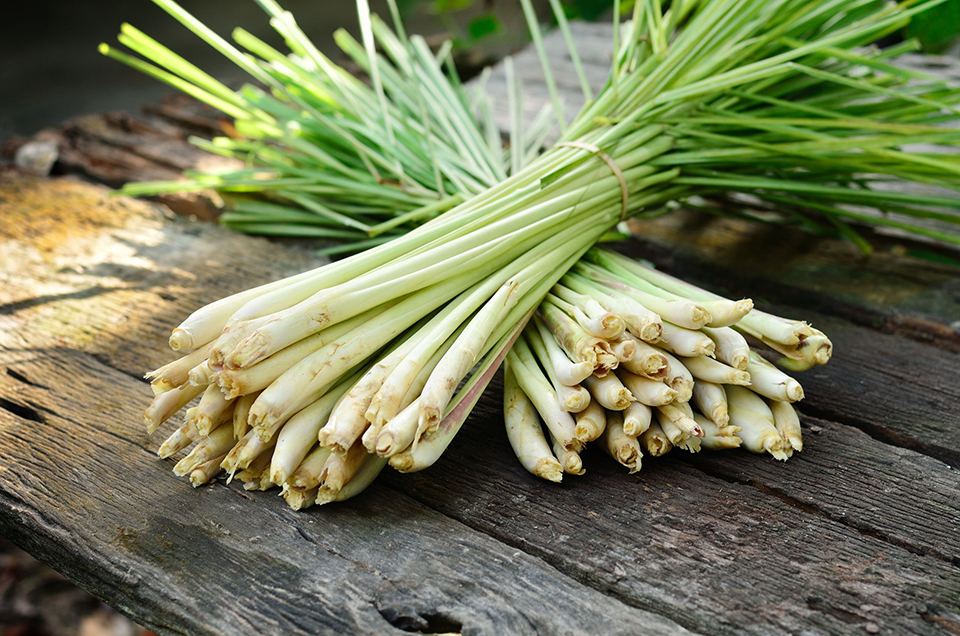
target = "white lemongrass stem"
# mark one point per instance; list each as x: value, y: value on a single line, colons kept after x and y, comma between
x: 755, y: 419
x: 618, y: 444
x: 232, y: 336
x: 787, y: 423
x: 255, y: 470
x: 202, y: 374
x: 812, y: 350
x: 710, y: 370
x: 340, y: 468
x: 682, y: 418
x: 531, y: 380
x: 400, y: 432
x: 213, y: 404
x: 300, y: 499
x: 567, y: 372
x: 249, y: 448
x: 609, y: 391
x: 678, y: 378
x: 205, y: 472
x: 466, y: 350
x: 179, y: 439
x: 308, y: 380
x: 241, y: 414
x: 525, y: 432
x: 647, y: 361
x: 168, y: 403
x: 771, y: 382
x: 591, y: 315
x: 348, y: 420
x: 645, y: 390
x: 654, y: 441
x: 686, y: 342
x: 723, y: 312
x: 579, y: 345
x: 636, y: 419
x: 307, y: 474
x: 684, y: 313
x: 639, y: 321
x: 176, y: 373
x: 714, y: 437
x: 361, y: 479
x: 569, y: 459
x: 301, y: 432
x: 590, y: 422
x: 770, y: 328
x: 711, y: 399
x: 572, y: 398
x: 219, y: 442
x: 237, y: 382
x: 731, y: 347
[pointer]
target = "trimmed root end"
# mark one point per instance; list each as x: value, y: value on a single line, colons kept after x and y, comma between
x: 794, y: 391
x: 550, y: 469
x: 403, y: 462
x: 180, y: 339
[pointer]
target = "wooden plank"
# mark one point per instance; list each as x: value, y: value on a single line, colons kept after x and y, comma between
x: 81, y: 489
x: 719, y: 554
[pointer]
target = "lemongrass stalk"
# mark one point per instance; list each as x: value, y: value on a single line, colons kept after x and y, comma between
x: 231, y: 336
x: 713, y: 437
x: 241, y: 414
x: 711, y: 399
x: 731, y: 347
x: 533, y: 383
x: 464, y: 353
x: 647, y: 391
x: 178, y: 440
x: 206, y: 472
x: 654, y: 441
x: 686, y: 342
x: 812, y: 350
x: 301, y: 432
x: 590, y: 422
x: 591, y: 315
x: 238, y: 382
x: 569, y: 459
x: 202, y: 374
x: 682, y: 418
x: 787, y: 423
x: 524, y: 431
x: 636, y: 419
x: 218, y: 443
x: 347, y: 421
x: 212, y: 408
x: 307, y: 474
x: 579, y: 345
x: 166, y: 404
x: 173, y: 374
x: 567, y: 372
x: 771, y: 382
x: 572, y: 398
x: 308, y: 379
x: 625, y: 348
x: 640, y: 321
x: 723, y: 312
x: 609, y: 391
x: 647, y: 361
x: 755, y: 419
x: 300, y: 499
x: 251, y: 446
x: 257, y: 468
x: 678, y: 378
x: 770, y: 328
x: 710, y: 370
x: 361, y: 479
x: 680, y: 312
x: 400, y: 432
x: 340, y: 469
x: 622, y: 447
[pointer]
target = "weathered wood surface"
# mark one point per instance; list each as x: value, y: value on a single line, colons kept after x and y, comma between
x: 860, y: 532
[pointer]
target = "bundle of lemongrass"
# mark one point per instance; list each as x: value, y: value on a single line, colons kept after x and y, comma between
x: 315, y: 382
x: 621, y: 353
